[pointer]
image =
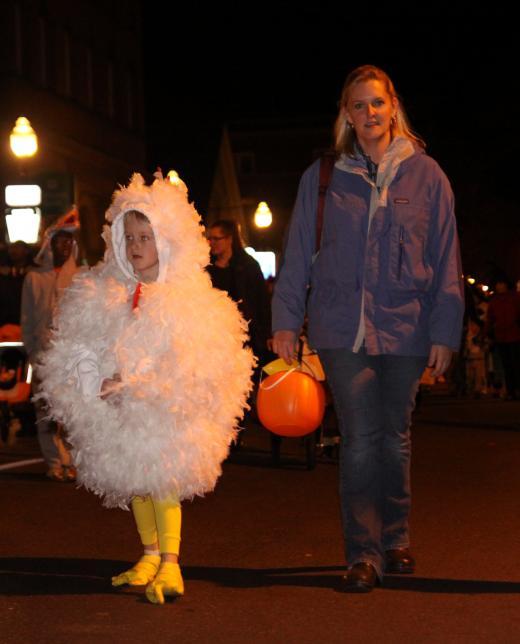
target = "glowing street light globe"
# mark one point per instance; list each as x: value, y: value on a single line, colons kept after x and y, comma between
x: 263, y: 216
x: 23, y: 139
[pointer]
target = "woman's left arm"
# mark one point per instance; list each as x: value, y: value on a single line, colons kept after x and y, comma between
x: 439, y: 359
x: 445, y: 324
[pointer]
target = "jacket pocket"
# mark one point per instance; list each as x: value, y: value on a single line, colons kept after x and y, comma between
x: 400, y: 253
x: 408, y: 270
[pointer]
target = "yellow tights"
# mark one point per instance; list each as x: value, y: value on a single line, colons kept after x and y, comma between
x: 159, y: 525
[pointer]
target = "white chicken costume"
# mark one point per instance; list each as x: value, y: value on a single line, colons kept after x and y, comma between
x: 185, y: 373
x: 174, y: 352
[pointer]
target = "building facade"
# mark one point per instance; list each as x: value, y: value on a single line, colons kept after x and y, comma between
x: 264, y: 161
x: 74, y: 69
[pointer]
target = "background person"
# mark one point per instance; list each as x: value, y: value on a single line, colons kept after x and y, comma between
x: 503, y: 328
x: 236, y: 272
x: 12, y: 274
x: 41, y: 291
x: 385, y: 301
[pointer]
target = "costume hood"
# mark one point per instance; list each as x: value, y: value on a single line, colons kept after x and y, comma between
x: 179, y: 237
x: 69, y: 222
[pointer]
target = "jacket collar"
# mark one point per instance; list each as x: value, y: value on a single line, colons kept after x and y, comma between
x: 400, y: 148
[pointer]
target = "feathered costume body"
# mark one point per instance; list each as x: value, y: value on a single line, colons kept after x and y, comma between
x: 185, y: 374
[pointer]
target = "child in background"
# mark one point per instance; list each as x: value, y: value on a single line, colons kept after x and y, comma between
x: 474, y: 353
x: 143, y: 337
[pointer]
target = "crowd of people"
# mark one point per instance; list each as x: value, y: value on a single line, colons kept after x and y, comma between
x: 129, y: 355
x: 490, y: 352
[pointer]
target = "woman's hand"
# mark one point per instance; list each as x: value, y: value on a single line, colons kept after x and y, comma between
x: 109, y: 387
x: 284, y: 343
x: 439, y: 360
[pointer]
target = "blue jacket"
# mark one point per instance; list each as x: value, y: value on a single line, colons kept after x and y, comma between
x: 408, y: 264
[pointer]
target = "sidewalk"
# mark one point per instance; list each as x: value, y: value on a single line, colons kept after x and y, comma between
x: 437, y: 407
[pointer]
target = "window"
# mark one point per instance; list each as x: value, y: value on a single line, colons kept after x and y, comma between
x: 18, y: 38
x: 42, y: 38
x: 65, y: 44
x: 130, y: 108
x: 110, y: 95
x: 89, y: 77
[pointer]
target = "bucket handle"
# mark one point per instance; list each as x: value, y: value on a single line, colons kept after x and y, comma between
x: 280, y: 380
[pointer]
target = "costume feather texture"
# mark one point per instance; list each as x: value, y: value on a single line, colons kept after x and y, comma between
x: 185, y: 372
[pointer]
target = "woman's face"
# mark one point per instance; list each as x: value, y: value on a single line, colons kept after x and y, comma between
x: 370, y: 110
x: 219, y: 242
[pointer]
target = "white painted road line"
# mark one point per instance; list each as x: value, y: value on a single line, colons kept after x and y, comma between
x: 10, y: 466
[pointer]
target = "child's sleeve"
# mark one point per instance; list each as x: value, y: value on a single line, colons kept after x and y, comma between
x: 84, y: 367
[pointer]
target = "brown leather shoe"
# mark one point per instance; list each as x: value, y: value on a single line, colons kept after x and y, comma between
x: 399, y: 561
x: 361, y: 578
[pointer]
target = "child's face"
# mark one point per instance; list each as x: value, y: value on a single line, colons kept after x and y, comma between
x: 141, y: 250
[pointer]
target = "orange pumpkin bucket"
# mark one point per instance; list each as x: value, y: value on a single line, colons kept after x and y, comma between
x: 290, y: 403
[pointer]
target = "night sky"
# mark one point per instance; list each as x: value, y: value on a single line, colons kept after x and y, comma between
x: 237, y: 62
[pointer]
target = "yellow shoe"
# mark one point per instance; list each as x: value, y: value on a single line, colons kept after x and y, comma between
x: 167, y: 582
x: 141, y: 574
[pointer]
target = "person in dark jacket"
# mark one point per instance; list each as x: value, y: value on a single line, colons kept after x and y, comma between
x: 12, y: 275
x: 503, y: 328
x: 384, y: 299
x: 235, y: 271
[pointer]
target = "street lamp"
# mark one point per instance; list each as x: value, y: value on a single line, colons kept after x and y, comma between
x: 23, y: 139
x: 23, y: 224
x: 23, y: 215
x: 263, y: 216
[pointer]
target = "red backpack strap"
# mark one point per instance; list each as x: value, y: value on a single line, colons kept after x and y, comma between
x: 326, y: 167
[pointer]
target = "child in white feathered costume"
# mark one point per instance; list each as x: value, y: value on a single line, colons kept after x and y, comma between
x: 148, y: 371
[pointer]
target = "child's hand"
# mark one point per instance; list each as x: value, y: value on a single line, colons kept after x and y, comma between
x: 109, y: 388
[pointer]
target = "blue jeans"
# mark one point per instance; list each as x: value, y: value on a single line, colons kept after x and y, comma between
x: 374, y: 397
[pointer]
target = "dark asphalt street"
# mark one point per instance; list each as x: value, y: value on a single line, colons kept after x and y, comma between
x: 261, y: 556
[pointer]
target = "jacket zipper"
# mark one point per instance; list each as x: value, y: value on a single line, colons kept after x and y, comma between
x: 401, y: 250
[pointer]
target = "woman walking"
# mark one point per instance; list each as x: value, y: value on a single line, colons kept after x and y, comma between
x: 383, y: 293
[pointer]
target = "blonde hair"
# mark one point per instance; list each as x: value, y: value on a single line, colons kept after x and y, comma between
x: 137, y: 215
x: 344, y: 135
